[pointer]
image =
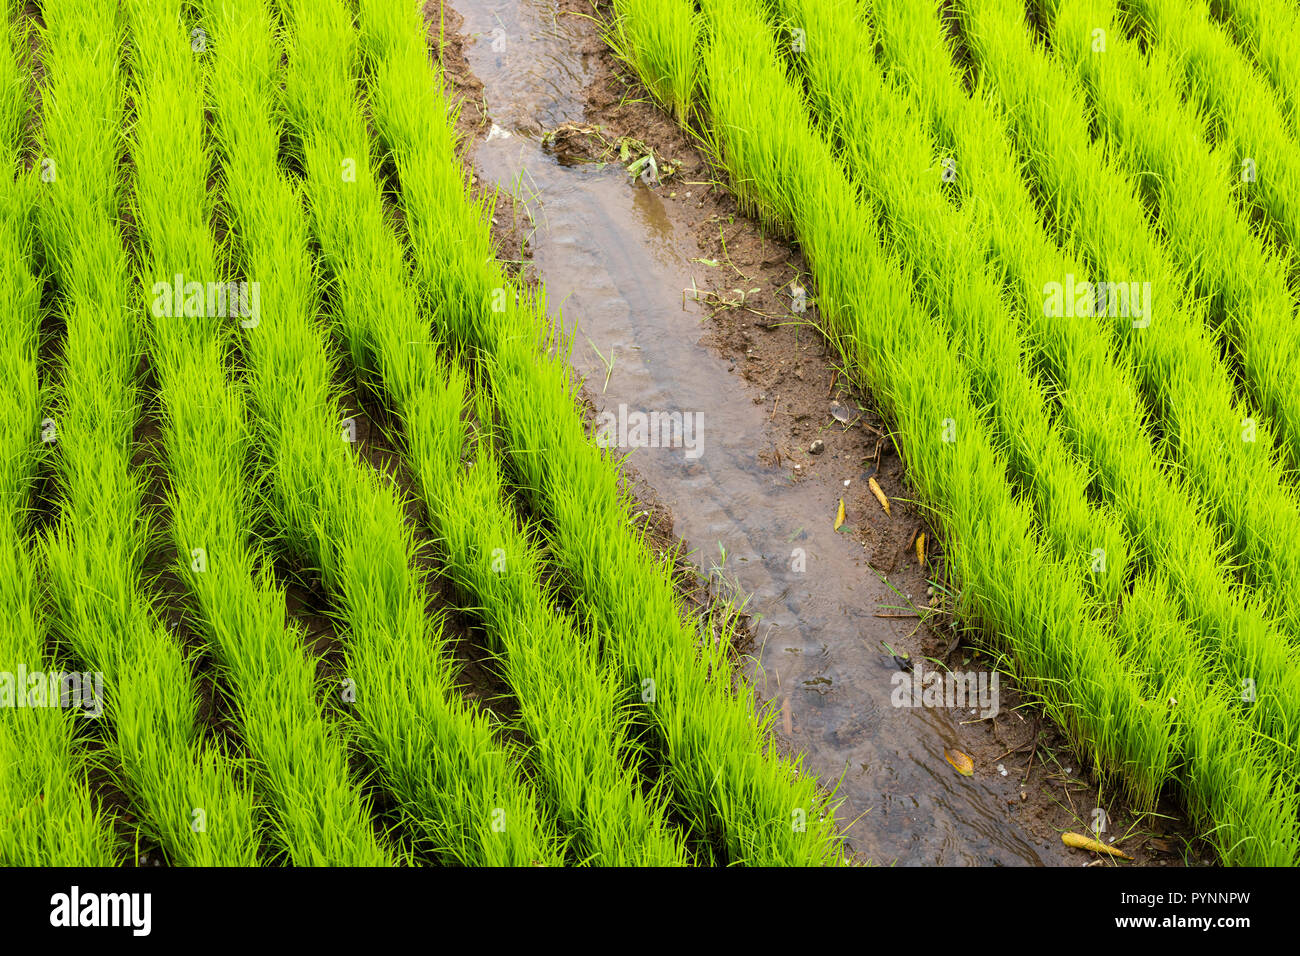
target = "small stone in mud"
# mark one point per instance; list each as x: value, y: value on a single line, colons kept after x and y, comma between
x: 817, y: 447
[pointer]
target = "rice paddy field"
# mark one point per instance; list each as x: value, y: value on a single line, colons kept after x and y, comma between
x: 649, y: 433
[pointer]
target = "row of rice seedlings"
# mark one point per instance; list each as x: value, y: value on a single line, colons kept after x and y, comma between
x: 725, y: 777
x: 659, y: 42
x: 887, y: 150
x: 1247, y: 121
x: 48, y: 816
x: 319, y: 816
x: 1010, y: 583
x: 1222, y: 447
x: 1246, y: 807
x: 570, y: 705
x: 1100, y: 410
x: 189, y: 795
x: 458, y: 789
x: 1144, y: 114
x: 1221, y: 444
x: 582, y: 736
x: 1271, y: 37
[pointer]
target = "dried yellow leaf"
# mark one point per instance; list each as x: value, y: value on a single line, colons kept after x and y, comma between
x: 920, y: 549
x: 960, y: 762
x: 1081, y: 842
x: 839, y: 515
x: 880, y: 495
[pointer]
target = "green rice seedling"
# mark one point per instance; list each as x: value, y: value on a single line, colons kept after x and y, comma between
x: 459, y: 790
x: 1233, y: 791
x: 1271, y: 37
x: 1176, y: 364
x: 319, y: 816
x: 725, y: 778
x: 1144, y: 114
x: 571, y: 706
x: 1249, y: 128
x: 891, y: 155
x: 1247, y: 803
x: 659, y: 41
x: 189, y: 795
x: 48, y: 816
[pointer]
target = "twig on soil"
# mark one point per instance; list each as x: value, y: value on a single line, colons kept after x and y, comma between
x: 1038, y: 729
x: 1033, y: 743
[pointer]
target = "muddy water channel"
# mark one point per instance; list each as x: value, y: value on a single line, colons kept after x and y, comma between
x: 615, y: 260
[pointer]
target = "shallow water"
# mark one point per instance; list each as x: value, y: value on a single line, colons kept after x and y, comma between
x: 616, y: 265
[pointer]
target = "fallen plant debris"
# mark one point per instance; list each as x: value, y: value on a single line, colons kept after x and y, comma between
x: 1081, y: 842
